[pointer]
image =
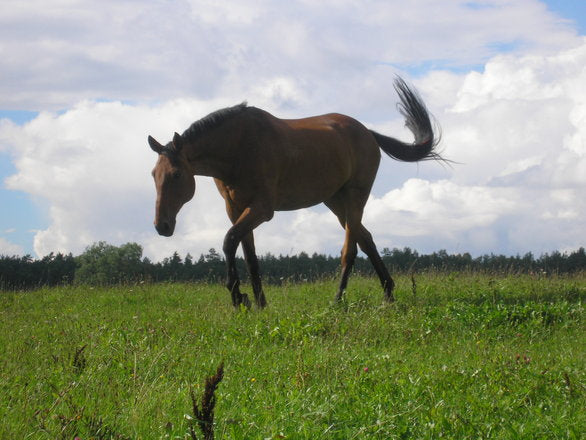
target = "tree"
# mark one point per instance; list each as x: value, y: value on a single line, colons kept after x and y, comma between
x: 213, y: 256
x: 105, y: 264
x: 172, y: 267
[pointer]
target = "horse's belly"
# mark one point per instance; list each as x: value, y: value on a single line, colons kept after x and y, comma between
x: 303, y: 193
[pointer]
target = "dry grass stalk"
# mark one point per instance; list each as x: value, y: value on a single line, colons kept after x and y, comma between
x: 204, y: 414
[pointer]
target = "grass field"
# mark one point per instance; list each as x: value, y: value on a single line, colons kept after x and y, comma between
x: 463, y: 356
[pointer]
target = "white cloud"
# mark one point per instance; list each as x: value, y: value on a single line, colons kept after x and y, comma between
x: 92, y: 164
x: 518, y: 130
x: 55, y: 56
x: 10, y: 249
x: 423, y: 215
x: 478, y: 219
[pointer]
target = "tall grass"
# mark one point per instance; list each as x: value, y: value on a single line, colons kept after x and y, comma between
x: 457, y: 356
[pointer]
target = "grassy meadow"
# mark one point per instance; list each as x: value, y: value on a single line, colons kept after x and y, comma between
x: 460, y: 356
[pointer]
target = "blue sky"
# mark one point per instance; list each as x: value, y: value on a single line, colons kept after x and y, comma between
x: 67, y: 82
x: 574, y: 10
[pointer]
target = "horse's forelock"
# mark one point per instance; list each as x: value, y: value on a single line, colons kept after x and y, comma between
x: 171, y: 153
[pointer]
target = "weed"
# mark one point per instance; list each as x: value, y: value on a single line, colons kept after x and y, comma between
x: 79, y: 361
x: 204, y: 413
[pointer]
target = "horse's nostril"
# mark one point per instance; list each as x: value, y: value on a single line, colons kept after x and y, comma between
x: 163, y: 228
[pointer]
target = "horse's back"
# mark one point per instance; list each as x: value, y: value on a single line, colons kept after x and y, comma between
x: 313, y: 158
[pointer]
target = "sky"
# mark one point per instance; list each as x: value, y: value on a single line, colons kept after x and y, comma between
x: 84, y: 83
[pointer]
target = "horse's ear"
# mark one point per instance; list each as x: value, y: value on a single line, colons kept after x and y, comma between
x: 156, y: 147
x: 177, y: 142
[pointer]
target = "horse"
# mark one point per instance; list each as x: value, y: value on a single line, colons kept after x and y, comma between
x: 262, y: 164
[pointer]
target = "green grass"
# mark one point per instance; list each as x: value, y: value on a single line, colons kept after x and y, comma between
x: 465, y: 356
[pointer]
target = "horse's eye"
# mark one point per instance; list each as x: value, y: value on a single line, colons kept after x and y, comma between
x: 176, y: 175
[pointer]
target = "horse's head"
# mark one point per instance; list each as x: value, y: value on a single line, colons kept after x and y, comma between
x: 174, y: 182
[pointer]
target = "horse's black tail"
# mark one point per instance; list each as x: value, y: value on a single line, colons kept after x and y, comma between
x: 417, y: 119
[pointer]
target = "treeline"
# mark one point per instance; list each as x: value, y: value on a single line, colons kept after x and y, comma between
x: 105, y: 264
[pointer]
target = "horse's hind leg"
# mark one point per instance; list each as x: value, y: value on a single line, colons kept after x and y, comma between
x: 369, y: 248
x: 253, y: 269
x: 355, y: 202
x: 349, y: 251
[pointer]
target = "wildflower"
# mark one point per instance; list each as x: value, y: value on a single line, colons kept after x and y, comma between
x: 253, y: 379
x: 365, y: 369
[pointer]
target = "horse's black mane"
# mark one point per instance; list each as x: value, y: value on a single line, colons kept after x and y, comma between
x: 212, y: 120
x: 206, y: 123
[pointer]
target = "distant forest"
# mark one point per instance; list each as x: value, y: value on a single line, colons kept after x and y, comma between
x: 104, y: 264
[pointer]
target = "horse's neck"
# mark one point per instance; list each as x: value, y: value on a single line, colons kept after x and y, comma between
x: 210, y: 159
x: 211, y: 168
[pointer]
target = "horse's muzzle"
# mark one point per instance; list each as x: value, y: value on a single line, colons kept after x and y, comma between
x: 165, y: 228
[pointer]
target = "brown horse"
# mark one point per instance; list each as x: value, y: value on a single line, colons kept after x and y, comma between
x: 262, y: 164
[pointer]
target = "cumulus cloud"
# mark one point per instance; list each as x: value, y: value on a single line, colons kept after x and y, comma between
x: 517, y: 128
x: 92, y: 164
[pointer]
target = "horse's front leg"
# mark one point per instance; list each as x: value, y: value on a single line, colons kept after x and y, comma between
x: 232, y: 278
x: 250, y: 218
